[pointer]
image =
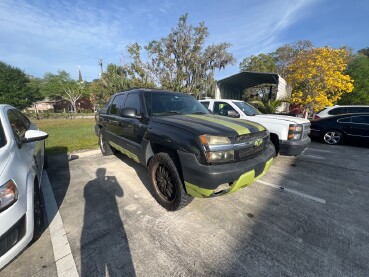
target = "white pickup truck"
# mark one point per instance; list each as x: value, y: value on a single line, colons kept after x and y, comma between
x: 290, y: 135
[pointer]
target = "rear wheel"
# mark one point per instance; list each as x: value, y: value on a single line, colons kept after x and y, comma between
x: 38, y: 215
x: 166, y: 182
x: 105, y: 148
x: 333, y: 137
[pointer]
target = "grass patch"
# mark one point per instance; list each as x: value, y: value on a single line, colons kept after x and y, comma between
x: 68, y: 135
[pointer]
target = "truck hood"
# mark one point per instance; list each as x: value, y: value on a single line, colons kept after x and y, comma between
x: 210, y: 124
x: 270, y: 118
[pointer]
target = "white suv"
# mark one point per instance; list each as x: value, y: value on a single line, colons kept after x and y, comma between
x: 290, y: 135
x: 336, y: 110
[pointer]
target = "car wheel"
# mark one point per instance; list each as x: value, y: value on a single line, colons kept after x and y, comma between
x: 105, y: 148
x: 166, y: 182
x: 333, y: 137
x: 38, y: 215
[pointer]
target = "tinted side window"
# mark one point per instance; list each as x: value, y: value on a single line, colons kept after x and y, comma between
x: 117, y: 104
x: 205, y: 104
x: 360, y: 119
x: 2, y: 136
x: 18, y: 126
x: 336, y: 111
x: 133, y: 101
x: 358, y: 109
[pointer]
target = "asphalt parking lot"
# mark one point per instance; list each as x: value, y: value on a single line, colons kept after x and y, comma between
x: 308, y: 216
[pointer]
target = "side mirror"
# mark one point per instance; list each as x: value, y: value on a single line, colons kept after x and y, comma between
x: 233, y: 114
x: 34, y: 135
x: 130, y: 112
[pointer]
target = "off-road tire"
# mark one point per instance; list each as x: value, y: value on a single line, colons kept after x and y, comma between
x: 105, y: 148
x: 168, y: 189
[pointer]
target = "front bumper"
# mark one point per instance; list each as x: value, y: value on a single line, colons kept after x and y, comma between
x: 206, y: 180
x: 293, y: 148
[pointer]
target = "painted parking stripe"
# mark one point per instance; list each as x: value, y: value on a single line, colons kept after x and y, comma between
x: 320, y: 200
x: 64, y: 261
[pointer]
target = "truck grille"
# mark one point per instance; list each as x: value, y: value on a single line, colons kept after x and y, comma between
x: 256, y: 143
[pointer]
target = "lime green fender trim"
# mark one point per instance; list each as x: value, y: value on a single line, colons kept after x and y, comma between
x: 125, y: 152
x: 244, y: 180
x: 196, y: 191
x: 249, y: 177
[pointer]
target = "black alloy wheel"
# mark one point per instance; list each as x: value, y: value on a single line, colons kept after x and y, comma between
x: 167, y: 185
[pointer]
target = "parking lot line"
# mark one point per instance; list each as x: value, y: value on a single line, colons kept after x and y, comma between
x: 64, y: 261
x: 320, y: 200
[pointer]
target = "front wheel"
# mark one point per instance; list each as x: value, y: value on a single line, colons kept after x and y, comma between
x: 38, y: 215
x: 333, y: 137
x: 105, y: 148
x: 166, y: 183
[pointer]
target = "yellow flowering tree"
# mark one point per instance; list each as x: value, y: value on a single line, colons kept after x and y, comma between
x: 317, y: 77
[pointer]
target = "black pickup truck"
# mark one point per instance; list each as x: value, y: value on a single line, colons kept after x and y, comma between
x: 188, y: 151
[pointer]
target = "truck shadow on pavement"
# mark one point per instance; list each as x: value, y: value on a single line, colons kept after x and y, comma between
x: 104, y: 244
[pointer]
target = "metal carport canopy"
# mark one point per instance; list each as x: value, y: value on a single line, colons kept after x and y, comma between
x: 233, y: 87
x: 249, y: 79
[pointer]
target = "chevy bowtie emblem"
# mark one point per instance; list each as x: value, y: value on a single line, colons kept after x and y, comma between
x: 258, y: 142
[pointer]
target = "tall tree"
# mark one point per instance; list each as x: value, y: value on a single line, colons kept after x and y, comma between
x: 61, y: 85
x: 259, y: 63
x: 317, y: 77
x: 16, y: 88
x: 180, y: 62
x: 358, y: 70
x: 364, y: 51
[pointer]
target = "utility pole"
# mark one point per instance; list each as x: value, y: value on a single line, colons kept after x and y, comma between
x: 101, y: 67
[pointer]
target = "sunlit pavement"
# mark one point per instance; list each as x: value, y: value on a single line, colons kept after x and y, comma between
x: 307, y: 216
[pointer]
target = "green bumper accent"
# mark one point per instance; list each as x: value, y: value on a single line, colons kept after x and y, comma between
x: 125, y: 152
x: 244, y: 180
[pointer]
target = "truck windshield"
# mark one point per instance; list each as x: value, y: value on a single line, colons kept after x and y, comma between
x: 247, y: 109
x: 164, y: 103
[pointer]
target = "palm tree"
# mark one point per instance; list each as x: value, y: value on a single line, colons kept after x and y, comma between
x: 269, y: 106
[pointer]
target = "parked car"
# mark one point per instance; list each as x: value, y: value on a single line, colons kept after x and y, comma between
x: 337, y: 110
x: 22, y: 156
x: 290, y: 135
x: 336, y: 129
x: 188, y: 151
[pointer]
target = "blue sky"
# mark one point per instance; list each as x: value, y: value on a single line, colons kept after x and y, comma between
x: 49, y: 35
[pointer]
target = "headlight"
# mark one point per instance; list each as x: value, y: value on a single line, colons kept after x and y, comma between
x: 213, y: 149
x: 8, y: 195
x: 295, y: 131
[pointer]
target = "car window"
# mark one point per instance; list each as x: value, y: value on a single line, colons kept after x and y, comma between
x: 18, y: 126
x: 117, y: 104
x: 247, y: 109
x: 360, y: 119
x: 133, y: 101
x: 159, y: 103
x: 205, y: 104
x: 2, y: 136
x: 336, y: 111
x: 357, y: 109
x: 222, y: 108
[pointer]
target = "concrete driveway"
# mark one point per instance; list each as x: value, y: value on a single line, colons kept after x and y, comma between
x: 309, y: 216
